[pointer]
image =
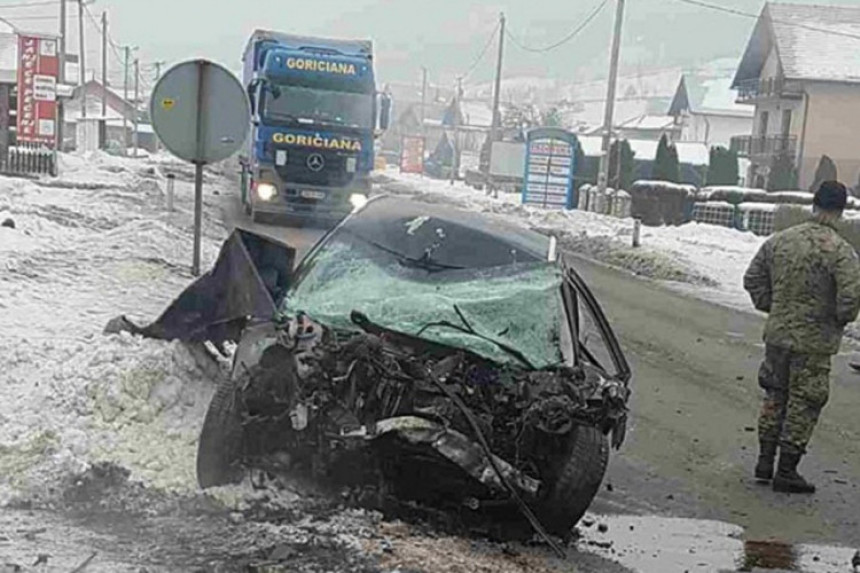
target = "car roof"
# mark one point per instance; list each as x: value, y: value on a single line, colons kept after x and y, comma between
x: 455, y: 237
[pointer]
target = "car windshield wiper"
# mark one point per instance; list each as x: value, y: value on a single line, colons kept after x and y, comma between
x: 287, y: 117
x: 467, y: 329
x: 425, y: 262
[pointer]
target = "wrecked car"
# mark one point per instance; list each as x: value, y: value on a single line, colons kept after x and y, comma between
x: 455, y: 359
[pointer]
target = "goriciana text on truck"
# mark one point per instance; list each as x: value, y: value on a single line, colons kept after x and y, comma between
x: 315, y: 114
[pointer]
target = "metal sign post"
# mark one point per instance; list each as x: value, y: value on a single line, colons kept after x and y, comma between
x: 201, y: 114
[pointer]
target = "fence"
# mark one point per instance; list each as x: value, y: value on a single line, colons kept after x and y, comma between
x: 28, y: 159
x: 715, y: 213
x: 612, y: 202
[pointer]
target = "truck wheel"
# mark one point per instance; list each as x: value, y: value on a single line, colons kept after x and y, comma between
x: 566, y: 502
x: 219, y: 451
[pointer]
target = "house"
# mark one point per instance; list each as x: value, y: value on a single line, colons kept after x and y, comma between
x: 648, y: 127
x: 407, y: 112
x: 801, y: 74
x: 705, y: 111
x: 118, y: 118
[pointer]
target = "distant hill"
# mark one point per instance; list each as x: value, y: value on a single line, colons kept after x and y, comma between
x: 647, y: 91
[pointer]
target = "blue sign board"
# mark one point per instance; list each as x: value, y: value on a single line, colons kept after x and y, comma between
x: 549, y: 169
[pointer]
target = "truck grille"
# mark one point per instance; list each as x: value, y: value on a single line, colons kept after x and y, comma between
x: 332, y: 174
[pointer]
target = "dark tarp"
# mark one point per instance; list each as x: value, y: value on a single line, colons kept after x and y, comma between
x: 248, y: 280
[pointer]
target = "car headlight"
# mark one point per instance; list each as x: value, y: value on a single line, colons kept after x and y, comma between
x: 358, y: 200
x: 266, y: 191
x: 351, y: 164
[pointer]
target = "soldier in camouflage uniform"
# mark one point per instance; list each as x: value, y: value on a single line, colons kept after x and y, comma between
x: 807, y: 278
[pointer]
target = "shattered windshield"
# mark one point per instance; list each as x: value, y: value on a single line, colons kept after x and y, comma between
x: 488, y: 311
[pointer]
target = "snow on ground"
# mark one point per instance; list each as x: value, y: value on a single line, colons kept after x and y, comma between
x: 93, y: 244
x: 707, y: 261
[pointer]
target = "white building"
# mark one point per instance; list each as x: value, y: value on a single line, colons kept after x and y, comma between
x: 706, y: 112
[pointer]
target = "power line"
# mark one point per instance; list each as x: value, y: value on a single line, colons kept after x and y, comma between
x: 115, y: 48
x: 737, y: 12
x: 564, y: 40
x: 30, y: 4
x: 22, y: 18
x: 483, y: 53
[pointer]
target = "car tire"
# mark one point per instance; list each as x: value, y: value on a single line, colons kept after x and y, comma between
x: 219, y: 450
x: 562, y: 506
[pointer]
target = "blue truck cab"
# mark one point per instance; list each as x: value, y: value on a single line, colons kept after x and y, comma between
x: 316, y: 114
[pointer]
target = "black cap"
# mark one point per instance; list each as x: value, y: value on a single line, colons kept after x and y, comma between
x: 831, y: 196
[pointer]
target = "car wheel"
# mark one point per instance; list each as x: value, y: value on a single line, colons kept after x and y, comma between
x: 566, y: 502
x: 219, y: 451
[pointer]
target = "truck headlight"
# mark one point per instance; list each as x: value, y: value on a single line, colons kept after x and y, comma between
x: 266, y: 191
x: 358, y: 200
x: 351, y: 164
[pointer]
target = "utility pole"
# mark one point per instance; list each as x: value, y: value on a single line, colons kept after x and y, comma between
x: 82, y: 63
x: 157, y: 77
x: 603, y: 178
x: 127, y: 52
x: 136, y: 99
x: 455, y: 147
x: 61, y: 111
x: 103, y: 123
x: 423, y: 98
x: 497, y: 88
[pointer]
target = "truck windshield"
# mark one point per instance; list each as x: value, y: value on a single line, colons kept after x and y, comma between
x: 297, y: 104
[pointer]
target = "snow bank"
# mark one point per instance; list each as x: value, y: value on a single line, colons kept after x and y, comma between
x: 67, y: 404
x: 91, y: 245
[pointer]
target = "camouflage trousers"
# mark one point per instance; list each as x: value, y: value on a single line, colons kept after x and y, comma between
x: 797, y: 387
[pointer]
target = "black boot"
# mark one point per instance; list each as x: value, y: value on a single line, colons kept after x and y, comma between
x: 766, y: 457
x: 787, y: 480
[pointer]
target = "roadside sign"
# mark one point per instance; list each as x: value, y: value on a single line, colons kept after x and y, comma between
x: 38, y: 68
x: 549, y: 168
x: 201, y: 113
x: 412, y: 154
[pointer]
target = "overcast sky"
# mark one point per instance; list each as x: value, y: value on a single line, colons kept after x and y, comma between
x: 444, y: 35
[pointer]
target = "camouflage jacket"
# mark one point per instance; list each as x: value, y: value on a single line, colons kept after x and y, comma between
x: 807, y: 278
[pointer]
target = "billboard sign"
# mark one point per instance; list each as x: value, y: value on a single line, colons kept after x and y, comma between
x: 550, y: 165
x: 412, y: 155
x: 38, y: 68
x: 507, y: 159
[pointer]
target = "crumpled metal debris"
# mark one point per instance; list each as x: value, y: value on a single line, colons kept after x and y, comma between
x: 455, y: 447
x: 317, y: 390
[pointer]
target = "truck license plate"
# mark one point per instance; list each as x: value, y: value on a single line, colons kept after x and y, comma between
x: 307, y: 194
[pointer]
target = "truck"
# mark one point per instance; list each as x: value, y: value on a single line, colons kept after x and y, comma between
x: 316, y: 114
